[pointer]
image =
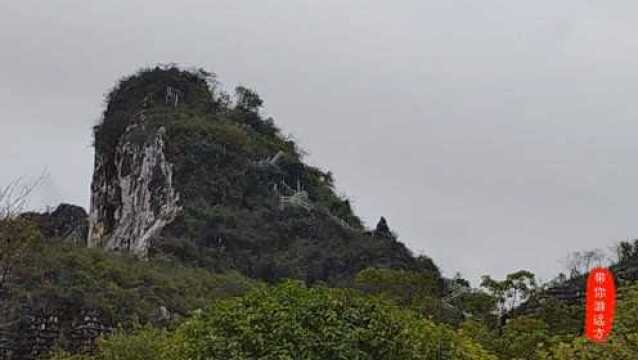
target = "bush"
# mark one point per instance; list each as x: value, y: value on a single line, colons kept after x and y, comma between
x: 291, y: 321
x: 121, y: 289
x: 147, y: 344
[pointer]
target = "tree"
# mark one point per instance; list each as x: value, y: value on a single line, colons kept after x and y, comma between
x: 292, y: 321
x: 478, y: 306
x: 511, y: 292
x: 627, y: 252
x: 562, y: 318
x: 248, y: 99
x: 405, y: 287
x: 459, y: 280
x: 583, y: 349
x: 521, y: 338
x: 621, y: 345
x: 580, y: 262
x: 522, y: 285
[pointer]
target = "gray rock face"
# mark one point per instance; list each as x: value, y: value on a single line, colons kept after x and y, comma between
x: 133, y: 196
x: 67, y: 223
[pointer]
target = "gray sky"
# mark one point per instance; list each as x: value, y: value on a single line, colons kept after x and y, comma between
x: 493, y: 135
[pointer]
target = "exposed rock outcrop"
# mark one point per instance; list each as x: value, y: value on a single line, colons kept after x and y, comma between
x: 131, y: 206
x: 182, y: 172
x: 179, y: 170
x: 383, y: 230
x: 68, y: 223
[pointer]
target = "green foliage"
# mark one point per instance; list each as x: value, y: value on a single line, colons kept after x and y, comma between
x: 185, y: 128
x: 554, y: 332
x: 515, y: 289
x: 582, y: 349
x: 148, y: 343
x: 320, y: 186
x: 627, y: 252
x: 562, y: 318
x: 478, y: 332
x: 622, y: 344
x: 521, y: 338
x: 231, y: 217
x: 232, y: 220
x: 479, y: 305
x: 122, y: 289
x: 419, y: 291
x: 247, y: 99
x: 291, y: 321
x: 18, y: 238
x: 405, y: 286
x: 143, y: 89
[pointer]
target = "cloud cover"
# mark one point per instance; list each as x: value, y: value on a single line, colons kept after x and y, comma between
x: 493, y: 135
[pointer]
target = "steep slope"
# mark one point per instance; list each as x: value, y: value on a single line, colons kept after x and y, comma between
x: 180, y: 170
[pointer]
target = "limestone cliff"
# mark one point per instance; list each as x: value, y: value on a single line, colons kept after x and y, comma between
x: 134, y: 204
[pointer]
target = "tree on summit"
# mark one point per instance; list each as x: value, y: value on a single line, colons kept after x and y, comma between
x: 248, y: 99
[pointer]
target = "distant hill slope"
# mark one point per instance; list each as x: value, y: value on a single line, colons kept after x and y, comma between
x: 182, y: 170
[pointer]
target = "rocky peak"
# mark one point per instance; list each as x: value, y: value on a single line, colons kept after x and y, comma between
x: 181, y: 170
x: 383, y: 230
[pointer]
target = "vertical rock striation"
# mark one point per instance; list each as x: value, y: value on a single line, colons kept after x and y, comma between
x: 133, y: 196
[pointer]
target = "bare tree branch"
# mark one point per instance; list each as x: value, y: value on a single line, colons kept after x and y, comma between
x: 14, y: 196
x: 17, y: 234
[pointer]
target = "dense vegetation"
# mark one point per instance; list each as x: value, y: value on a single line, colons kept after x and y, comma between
x: 61, y: 286
x: 123, y: 289
x: 237, y: 276
x: 291, y: 321
x: 231, y: 216
x: 388, y: 314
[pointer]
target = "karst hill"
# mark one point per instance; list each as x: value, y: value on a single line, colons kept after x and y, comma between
x: 199, y: 204
x: 182, y: 170
x: 196, y: 197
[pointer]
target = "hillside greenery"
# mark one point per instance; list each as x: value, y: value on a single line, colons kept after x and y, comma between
x: 121, y: 288
x: 383, y: 314
x: 220, y: 146
x: 292, y: 321
x: 71, y: 284
x: 237, y: 276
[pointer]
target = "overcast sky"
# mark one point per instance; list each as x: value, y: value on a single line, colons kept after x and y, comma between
x: 493, y: 135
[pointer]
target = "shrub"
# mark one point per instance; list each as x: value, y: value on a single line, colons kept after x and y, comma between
x: 291, y: 321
